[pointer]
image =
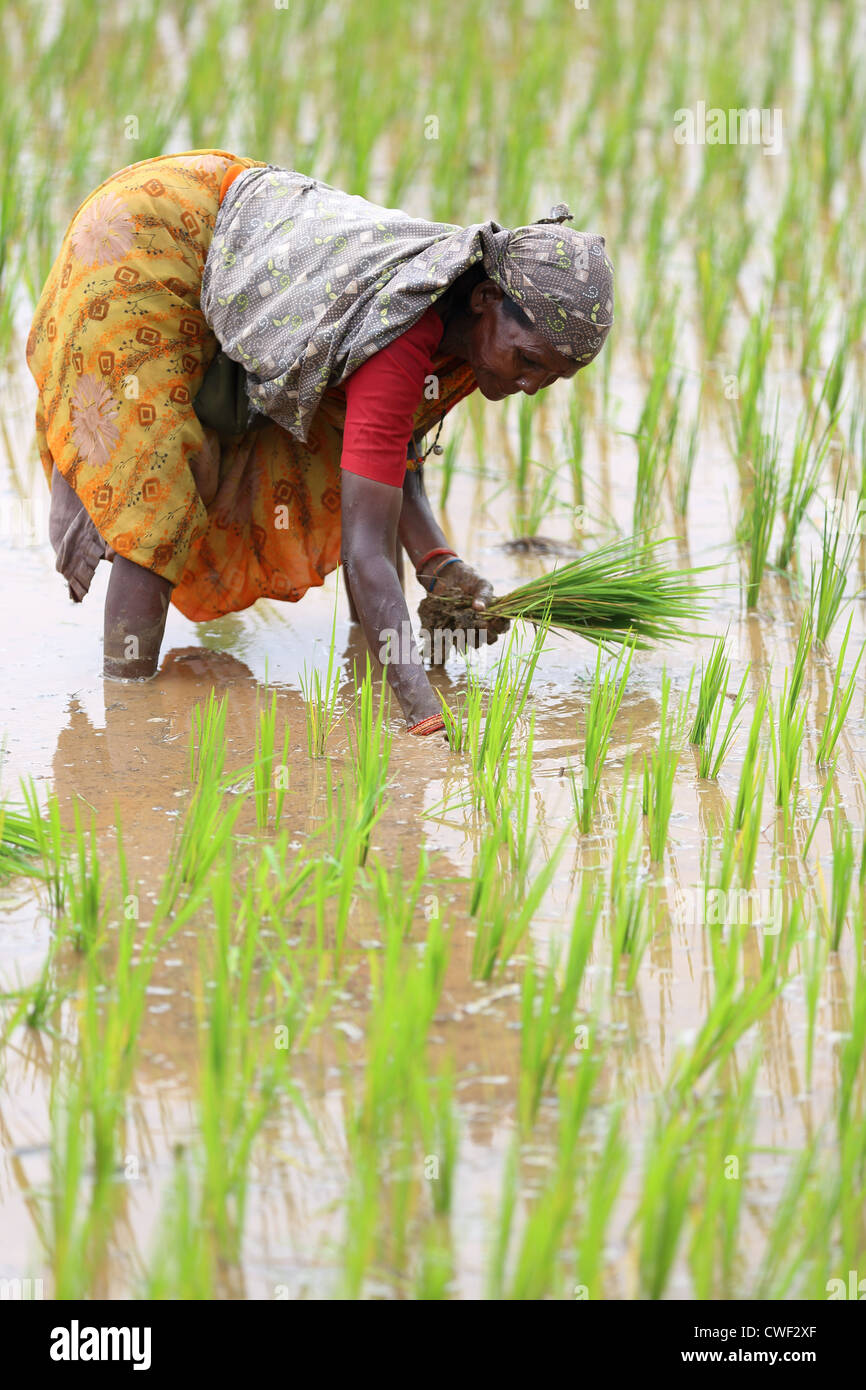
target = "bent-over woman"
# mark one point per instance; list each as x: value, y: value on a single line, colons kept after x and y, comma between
x: 239, y: 367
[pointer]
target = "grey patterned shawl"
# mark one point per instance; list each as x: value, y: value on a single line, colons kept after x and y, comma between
x: 303, y: 283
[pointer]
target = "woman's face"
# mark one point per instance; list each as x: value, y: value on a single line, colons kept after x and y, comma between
x: 506, y: 356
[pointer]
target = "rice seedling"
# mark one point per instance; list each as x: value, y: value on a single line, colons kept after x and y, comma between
x: 205, y: 832
x: 740, y: 842
x: 714, y: 679
x: 771, y: 1280
x: 831, y: 391
x: 180, y: 1264
x: 826, y: 792
x: 269, y: 775
x: 760, y: 512
x: 351, y: 820
x: 370, y: 741
x: 537, y: 1264
x: 669, y: 1171
x: 706, y: 724
x: 801, y: 656
x: 448, y: 466
x: 656, y: 251
x: 714, y: 751
x: 515, y: 811
x: 600, y: 1196
x: 207, y: 740
x: 50, y: 841
x: 685, y: 465
x: 629, y: 915
x: 787, y: 722
x: 88, y: 1105
x: 749, y: 832
x: 725, y: 1140
x: 857, y: 449
x: 383, y: 1115
x: 850, y: 1068
x: 839, y: 703
x: 575, y: 449
x: 734, y: 1008
x: 815, y: 961
x: 602, y: 708
x: 501, y: 922
x: 396, y: 898
x: 238, y: 1084
x: 535, y: 502
x: 660, y: 766
x: 84, y: 889
x: 19, y: 844
x: 842, y: 874
x: 64, y: 1230
x: 622, y: 592
x: 506, y: 703
x: 36, y: 1005
x: 810, y: 453
x: 527, y: 409
x: 439, y: 1129
x: 655, y: 439
x: 719, y: 254
x: 751, y: 370
x: 547, y: 1034
x: 534, y: 1271
x: 463, y: 722
x: 320, y: 697
x: 753, y: 769
x: 829, y: 578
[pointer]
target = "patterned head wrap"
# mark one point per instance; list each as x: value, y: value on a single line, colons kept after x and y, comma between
x: 303, y: 283
x: 561, y: 279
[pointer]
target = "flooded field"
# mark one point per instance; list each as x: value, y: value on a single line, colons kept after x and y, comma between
x: 391, y: 1022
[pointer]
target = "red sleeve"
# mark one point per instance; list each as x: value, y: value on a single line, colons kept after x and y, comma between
x: 381, y: 399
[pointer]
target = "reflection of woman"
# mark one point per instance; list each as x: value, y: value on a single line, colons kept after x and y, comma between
x: 356, y: 329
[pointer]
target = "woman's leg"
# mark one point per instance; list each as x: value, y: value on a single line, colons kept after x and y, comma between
x: 136, y: 607
x: 398, y: 565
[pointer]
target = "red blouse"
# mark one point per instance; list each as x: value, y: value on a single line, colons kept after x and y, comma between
x: 382, y: 397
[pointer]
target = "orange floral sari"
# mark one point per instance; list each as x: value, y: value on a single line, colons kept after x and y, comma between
x: 118, y: 349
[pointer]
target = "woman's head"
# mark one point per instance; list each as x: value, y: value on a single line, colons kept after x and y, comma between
x: 538, y: 308
x: 505, y: 350
x: 554, y: 308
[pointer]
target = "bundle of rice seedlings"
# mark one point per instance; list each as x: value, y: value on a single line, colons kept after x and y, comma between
x: 624, y: 591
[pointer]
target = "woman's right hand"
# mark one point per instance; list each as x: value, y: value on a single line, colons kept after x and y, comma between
x: 370, y: 516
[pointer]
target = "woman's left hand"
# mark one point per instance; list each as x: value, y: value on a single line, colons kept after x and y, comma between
x: 461, y: 576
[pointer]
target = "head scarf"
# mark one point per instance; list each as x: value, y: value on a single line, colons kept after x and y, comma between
x: 303, y: 283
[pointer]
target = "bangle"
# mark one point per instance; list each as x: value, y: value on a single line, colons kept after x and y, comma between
x: 431, y: 555
x: 452, y: 560
x: 455, y: 560
x: 431, y: 725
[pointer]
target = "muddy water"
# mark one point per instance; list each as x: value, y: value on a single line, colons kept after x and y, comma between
x: 122, y: 753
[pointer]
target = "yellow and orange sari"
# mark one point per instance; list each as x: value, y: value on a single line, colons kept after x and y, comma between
x: 118, y: 349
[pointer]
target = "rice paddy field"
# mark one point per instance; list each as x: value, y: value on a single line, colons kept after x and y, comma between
x: 571, y: 1006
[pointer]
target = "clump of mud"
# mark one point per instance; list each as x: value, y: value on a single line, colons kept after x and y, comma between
x: 448, y: 612
x: 539, y: 545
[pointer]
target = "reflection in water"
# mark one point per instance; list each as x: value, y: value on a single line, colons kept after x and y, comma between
x: 121, y: 754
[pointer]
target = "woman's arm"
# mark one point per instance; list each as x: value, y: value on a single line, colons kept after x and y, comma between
x: 370, y: 519
x: 420, y: 532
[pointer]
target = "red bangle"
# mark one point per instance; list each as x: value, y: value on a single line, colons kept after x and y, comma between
x: 431, y: 725
x: 431, y: 555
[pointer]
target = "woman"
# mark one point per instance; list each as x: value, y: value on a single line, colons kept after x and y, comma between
x: 236, y: 364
